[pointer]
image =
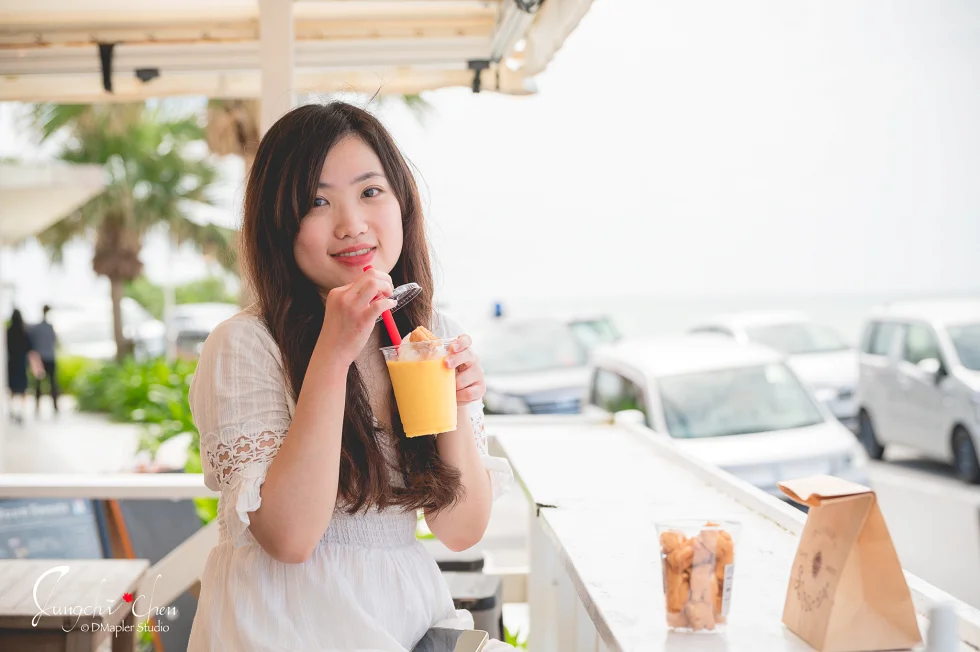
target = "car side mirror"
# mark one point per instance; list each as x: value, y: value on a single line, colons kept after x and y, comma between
x: 933, y: 368
x: 627, y: 417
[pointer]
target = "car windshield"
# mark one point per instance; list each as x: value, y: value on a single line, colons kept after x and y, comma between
x: 966, y: 341
x: 202, y: 317
x: 794, y: 339
x: 593, y: 332
x: 736, y: 402
x: 529, y: 347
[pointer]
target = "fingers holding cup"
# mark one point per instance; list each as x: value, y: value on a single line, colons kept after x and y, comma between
x: 470, y: 381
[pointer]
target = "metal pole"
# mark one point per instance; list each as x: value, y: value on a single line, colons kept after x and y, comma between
x: 276, y: 54
x: 4, y: 402
x: 169, y: 301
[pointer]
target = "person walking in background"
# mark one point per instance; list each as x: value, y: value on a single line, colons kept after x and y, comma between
x: 18, y: 348
x: 43, y: 339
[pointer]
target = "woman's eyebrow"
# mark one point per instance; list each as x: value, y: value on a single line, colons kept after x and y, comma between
x: 358, y: 179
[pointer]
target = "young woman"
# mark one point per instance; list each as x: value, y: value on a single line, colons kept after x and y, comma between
x: 19, y: 348
x: 320, y: 488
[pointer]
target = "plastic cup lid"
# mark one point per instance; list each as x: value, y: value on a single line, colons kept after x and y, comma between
x: 403, y: 295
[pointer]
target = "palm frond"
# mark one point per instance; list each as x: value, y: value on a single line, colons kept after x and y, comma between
x: 78, y: 225
x: 49, y: 119
x: 417, y: 105
x: 420, y: 107
x: 210, y: 239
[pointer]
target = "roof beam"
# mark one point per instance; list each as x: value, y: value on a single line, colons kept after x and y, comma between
x: 190, y: 32
x: 555, y: 21
x: 246, y: 55
x: 277, y: 54
x: 85, y: 88
x: 109, y: 13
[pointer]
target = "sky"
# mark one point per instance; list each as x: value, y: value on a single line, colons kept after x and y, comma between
x: 687, y: 148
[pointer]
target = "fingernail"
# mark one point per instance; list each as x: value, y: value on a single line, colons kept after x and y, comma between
x: 449, y: 362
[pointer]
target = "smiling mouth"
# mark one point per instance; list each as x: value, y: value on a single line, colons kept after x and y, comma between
x: 354, y: 254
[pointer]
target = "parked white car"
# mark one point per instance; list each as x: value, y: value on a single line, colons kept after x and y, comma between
x: 920, y: 381
x: 818, y: 354
x: 85, y: 329
x: 739, y: 407
x: 191, y: 323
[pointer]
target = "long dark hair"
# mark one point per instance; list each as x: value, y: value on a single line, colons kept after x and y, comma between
x: 280, y: 190
x: 17, y: 333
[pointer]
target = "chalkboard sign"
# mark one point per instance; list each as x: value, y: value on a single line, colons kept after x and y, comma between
x: 156, y: 527
x: 51, y: 528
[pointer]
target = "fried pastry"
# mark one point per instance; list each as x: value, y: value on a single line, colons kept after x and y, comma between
x: 678, y: 587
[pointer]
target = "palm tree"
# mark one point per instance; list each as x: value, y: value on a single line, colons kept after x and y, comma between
x: 151, y: 177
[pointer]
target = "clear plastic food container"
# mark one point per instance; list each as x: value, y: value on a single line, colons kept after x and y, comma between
x: 698, y: 561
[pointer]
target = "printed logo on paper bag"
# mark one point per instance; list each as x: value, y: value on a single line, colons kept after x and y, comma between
x: 814, y: 576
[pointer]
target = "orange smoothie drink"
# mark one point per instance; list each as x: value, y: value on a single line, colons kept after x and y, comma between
x: 425, y: 390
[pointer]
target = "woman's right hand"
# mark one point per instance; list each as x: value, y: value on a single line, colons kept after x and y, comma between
x: 351, y: 313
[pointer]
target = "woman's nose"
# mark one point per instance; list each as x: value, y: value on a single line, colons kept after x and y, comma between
x: 350, y: 223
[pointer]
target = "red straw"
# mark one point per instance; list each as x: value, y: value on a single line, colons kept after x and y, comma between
x: 389, y: 321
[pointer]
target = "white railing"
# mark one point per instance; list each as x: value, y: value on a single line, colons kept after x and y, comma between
x: 595, y: 582
x: 107, y: 486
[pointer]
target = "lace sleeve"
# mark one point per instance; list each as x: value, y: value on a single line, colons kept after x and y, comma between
x: 239, y: 404
x: 501, y: 474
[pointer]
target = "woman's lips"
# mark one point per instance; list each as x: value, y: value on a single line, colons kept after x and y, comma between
x: 358, y: 261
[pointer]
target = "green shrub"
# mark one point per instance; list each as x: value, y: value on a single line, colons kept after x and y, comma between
x: 70, y: 368
x: 151, y: 393
x: 515, y: 638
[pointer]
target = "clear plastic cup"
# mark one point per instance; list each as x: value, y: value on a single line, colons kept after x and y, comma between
x: 697, y: 557
x: 425, y: 389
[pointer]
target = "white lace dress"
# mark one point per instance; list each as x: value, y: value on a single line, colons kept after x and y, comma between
x: 369, y: 585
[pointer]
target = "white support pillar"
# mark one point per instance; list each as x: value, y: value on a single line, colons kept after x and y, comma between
x: 276, y: 55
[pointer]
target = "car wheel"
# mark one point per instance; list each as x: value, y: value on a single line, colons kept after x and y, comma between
x: 965, y: 457
x: 866, y: 434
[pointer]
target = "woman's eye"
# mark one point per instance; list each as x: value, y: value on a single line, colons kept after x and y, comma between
x: 374, y: 192
x: 319, y: 201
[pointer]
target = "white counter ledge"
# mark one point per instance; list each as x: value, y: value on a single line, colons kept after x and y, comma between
x: 595, y: 581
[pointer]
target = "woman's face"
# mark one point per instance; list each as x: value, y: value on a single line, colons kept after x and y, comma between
x: 355, y: 220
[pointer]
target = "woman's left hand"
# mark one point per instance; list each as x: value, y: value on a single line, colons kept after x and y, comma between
x: 470, y: 382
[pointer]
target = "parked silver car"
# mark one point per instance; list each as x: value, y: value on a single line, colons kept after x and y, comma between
x: 818, y: 354
x: 920, y: 381
x: 191, y: 323
x: 540, y: 365
x: 739, y: 407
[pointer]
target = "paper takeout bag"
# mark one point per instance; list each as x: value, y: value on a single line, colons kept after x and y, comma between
x: 847, y: 592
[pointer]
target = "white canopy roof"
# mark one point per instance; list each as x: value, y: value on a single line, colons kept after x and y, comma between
x: 49, y: 49
x: 34, y: 196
